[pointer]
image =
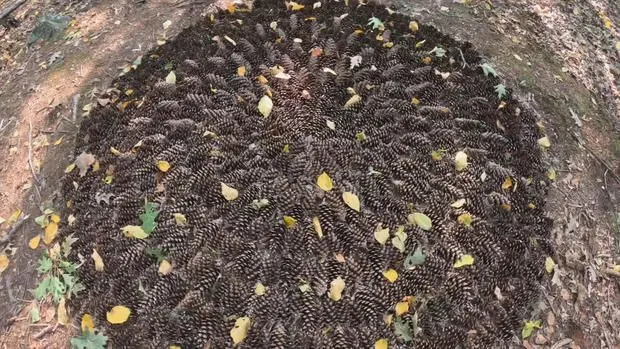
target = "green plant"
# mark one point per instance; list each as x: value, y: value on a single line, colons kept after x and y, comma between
x: 89, y: 340
x: 59, y: 274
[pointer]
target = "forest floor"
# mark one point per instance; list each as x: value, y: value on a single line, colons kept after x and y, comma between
x: 562, y: 57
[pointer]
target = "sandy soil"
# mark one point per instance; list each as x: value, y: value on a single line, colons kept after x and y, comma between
x: 561, y: 57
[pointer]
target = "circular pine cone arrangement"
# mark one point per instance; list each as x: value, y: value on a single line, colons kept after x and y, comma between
x: 310, y: 175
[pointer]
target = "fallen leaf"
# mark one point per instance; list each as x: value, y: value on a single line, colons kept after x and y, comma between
x: 283, y: 76
x: 259, y: 289
x: 401, y: 308
x: 391, y: 275
x: 398, y: 243
x: 421, y: 220
x: 551, y: 174
x: 265, y: 105
x: 317, y: 227
x: 171, y: 78
x: 465, y: 219
x: 355, y: 99
x: 166, y: 24
x: 59, y: 140
x: 99, y: 266
x: 544, y: 142
x: 295, y: 6
x: 465, y: 260
x: 458, y: 203
x: 289, y: 222
x: 340, y: 258
x: 165, y: 267
x: 51, y: 230
x: 415, y: 101
x: 34, y: 242
x: 331, y: 125
x: 63, y: 317
x: 529, y: 327
x: 351, y: 200
x: 229, y: 193
x: 413, y: 26
x: 381, y: 344
x: 118, y: 314
x: 231, y: 8
x: 335, y: 289
x: 382, y: 235
x: 83, y: 162
x: 87, y: 324
x: 549, y: 265
x: 180, y: 219
x: 240, y: 331
x: 163, y: 166
x: 325, y: 182
x: 134, y: 231
x: 460, y: 161
x: 4, y: 262
x: 417, y: 257
x: 507, y: 184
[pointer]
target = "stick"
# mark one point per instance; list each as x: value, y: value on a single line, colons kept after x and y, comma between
x: 613, y: 174
x: 463, y: 58
x: 7, y: 11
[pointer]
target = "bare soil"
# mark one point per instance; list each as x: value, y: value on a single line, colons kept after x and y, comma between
x: 561, y: 57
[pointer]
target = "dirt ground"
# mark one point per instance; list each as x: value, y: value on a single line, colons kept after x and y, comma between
x: 562, y: 57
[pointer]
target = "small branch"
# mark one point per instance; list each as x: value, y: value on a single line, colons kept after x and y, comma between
x: 34, y: 175
x: 601, y: 161
x: 463, y: 58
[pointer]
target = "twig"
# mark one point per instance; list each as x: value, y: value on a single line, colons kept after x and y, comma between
x: 14, y: 229
x: 561, y: 343
x: 45, y: 331
x: 616, y: 177
x: 74, y: 107
x: 463, y: 58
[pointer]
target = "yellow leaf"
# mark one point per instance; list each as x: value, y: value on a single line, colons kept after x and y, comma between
x: 163, y: 166
x: 4, y: 262
x: 134, y: 231
x: 381, y: 344
x: 259, y: 289
x: 421, y: 220
x: 129, y: 92
x: 551, y: 174
x: 99, y: 266
x: 14, y: 216
x: 506, y: 207
x: 289, y: 222
x: 465, y: 219
x: 174, y: 347
x: 118, y: 314
x: 415, y: 101
x: 165, y: 267
x: 231, y: 8
x: 382, y: 235
x: 616, y: 268
x: 59, y: 140
x: 240, y: 331
x: 229, y: 193
x: 96, y: 166
x: 544, y: 142
x: 531, y: 206
x: 351, y: 200
x: 317, y: 227
x: 549, y: 265
x: 108, y: 179
x: 63, y: 317
x: 265, y: 105
x: 458, y: 203
x: 413, y: 26
x: 51, y: 230
x: 465, y: 260
x: 241, y: 71
x: 55, y: 218
x: 335, y: 289
x: 171, y: 78
x: 325, y: 182
x: 391, y: 275
x: 295, y: 6
x: 401, y: 308
x: 69, y: 168
x: 180, y: 219
x: 115, y: 151
x: 34, y: 242
x: 87, y: 323
x: 507, y: 183
x: 262, y: 80
x: 460, y: 161
x: 355, y: 99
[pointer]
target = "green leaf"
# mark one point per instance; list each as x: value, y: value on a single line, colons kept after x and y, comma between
x: 487, y: 69
x: 529, y: 327
x: 417, y: 257
x: 35, y: 315
x: 376, y: 23
x: 42, y: 220
x: 438, y: 51
x: 66, y: 245
x: 88, y: 340
x: 42, y: 289
x: 149, y: 216
x: 67, y: 267
x: 68, y: 280
x: 158, y: 253
x: 45, y: 265
x: 421, y: 220
x: 360, y: 136
x: 500, y: 89
x: 402, y: 330
x: 57, y: 289
x: 77, y: 288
